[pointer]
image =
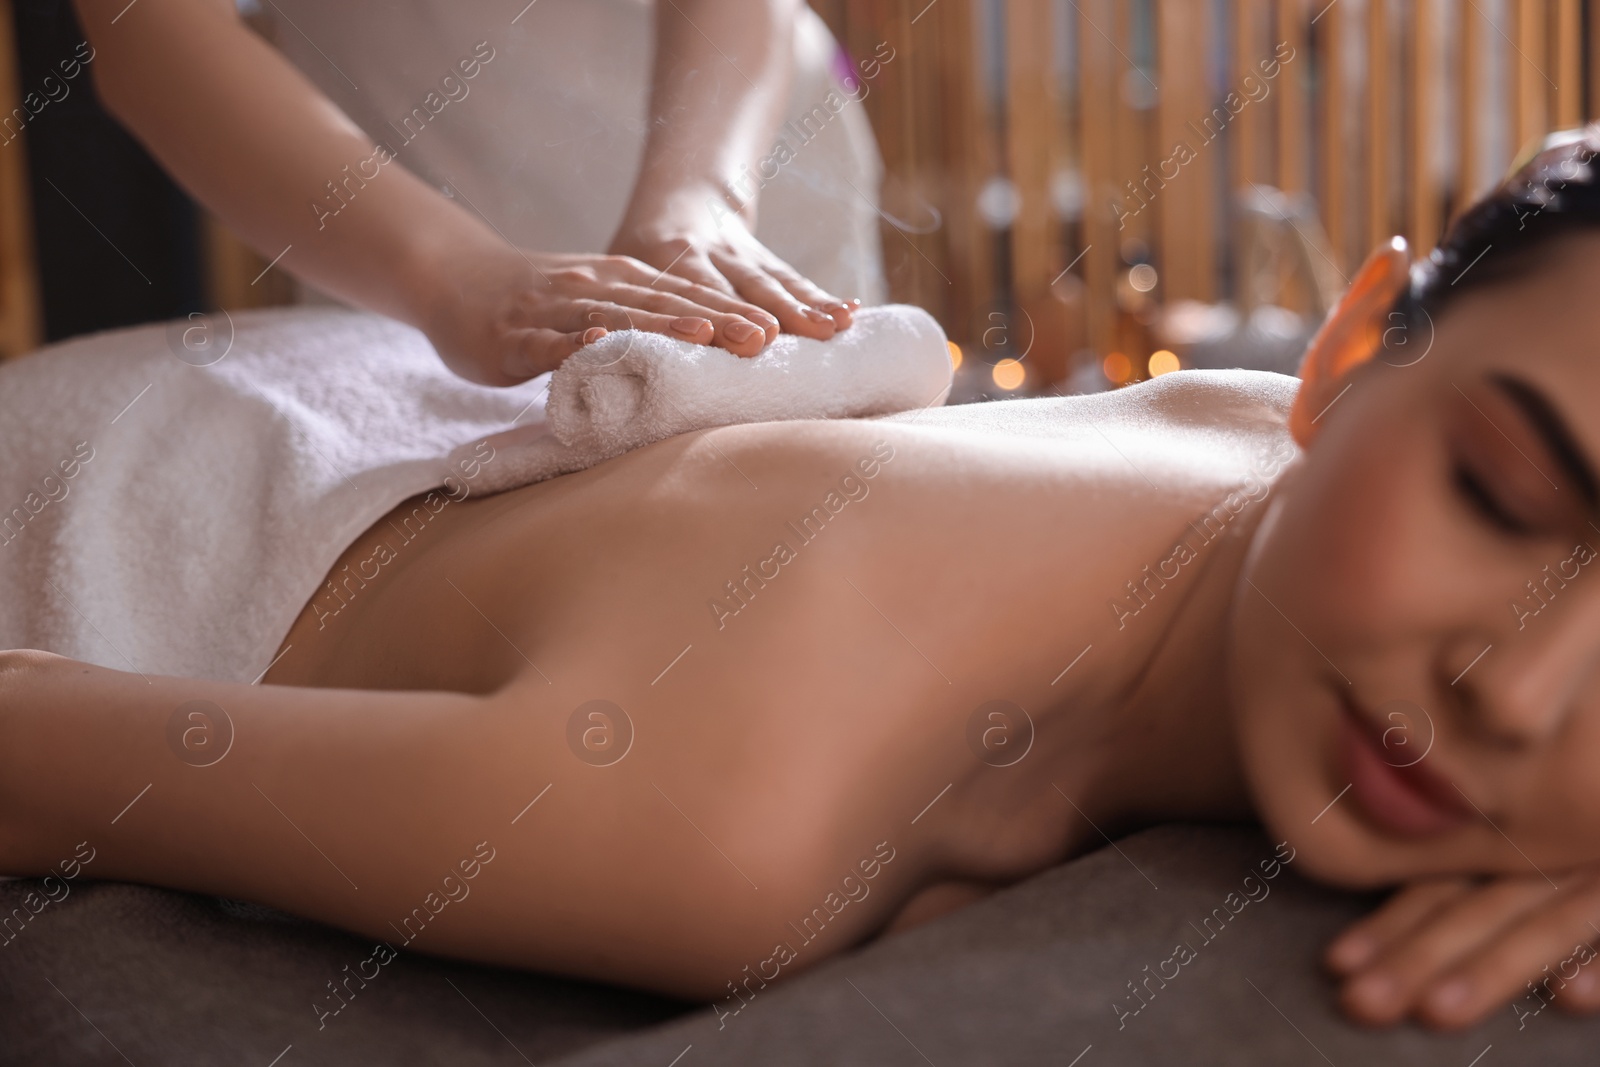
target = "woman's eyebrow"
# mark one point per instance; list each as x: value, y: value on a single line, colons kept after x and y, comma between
x: 1554, y: 431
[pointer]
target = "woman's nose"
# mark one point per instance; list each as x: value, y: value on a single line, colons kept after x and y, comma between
x: 1520, y: 688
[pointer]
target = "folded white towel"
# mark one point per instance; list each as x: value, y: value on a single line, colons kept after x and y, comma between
x: 163, y: 517
x: 633, y: 388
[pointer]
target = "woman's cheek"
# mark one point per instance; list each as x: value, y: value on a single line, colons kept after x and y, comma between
x: 1554, y: 809
x: 1370, y: 537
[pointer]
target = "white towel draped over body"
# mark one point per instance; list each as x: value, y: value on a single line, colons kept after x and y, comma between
x: 167, y: 518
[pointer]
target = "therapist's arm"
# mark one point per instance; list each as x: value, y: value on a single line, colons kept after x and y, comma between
x: 254, y: 141
x: 720, y: 84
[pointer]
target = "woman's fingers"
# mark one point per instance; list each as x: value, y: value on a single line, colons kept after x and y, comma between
x: 764, y: 290
x: 732, y: 332
x: 716, y: 301
x: 1362, y: 942
x: 644, y: 288
x: 733, y: 298
x: 804, y: 290
x: 673, y: 304
x: 745, y: 279
x: 686, y: 270
x: 1395, y: 983
x: 724, y: 300
x: 685, y: 261
x: 1548, y: 947
x: 1580, y: 995
x: 534, y: 351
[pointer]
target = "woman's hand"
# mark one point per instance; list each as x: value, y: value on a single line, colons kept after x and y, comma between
x: 503, y: 316
x: 1450, y: 951
x: 714, y: 112
x: 730, y: 260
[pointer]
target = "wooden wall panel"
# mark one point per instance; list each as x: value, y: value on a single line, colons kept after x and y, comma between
x: 1567, y: 49
x: 967, y: 155
x: 1097, y: 72
x: 1591, y: 57
x: 20, y: 315
x: 1251, y: 130
x: 1423, y: 128
x: 1360, y: 117
x: 1470, y: 99
x: 1529, y: 63
x: 1381, y: 93
x: 1033, y: 128
x: 1188, y: 222
x: 1293, y: 174
x: 1333, y: 150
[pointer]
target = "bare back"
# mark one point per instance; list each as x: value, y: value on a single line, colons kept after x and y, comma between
x: 794, y: 625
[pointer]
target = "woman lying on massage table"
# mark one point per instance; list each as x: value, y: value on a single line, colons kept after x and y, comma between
x: 1353, y: 610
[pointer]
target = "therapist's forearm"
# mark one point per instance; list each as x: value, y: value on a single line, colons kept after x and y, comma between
x: 256, y: 143
x: 719, y: 86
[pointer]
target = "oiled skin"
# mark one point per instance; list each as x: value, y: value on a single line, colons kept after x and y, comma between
x: 819, y: 729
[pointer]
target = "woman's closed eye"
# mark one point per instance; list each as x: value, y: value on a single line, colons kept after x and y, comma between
x: 1504, y: 468
x: 1486, y: 505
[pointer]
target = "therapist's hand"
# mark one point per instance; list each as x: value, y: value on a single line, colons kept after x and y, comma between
x: 729, y: 259
x: 715, y: 108
x: 499, y: 316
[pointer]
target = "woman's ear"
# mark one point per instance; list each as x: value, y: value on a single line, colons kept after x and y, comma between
x: 1350, y: 336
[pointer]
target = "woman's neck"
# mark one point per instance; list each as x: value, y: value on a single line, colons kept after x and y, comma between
x: 1170, y: 752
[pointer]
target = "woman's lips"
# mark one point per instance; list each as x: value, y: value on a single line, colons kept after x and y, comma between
x: 1409, y: 801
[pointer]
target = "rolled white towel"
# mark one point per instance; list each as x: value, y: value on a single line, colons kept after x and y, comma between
x: 631, y: 389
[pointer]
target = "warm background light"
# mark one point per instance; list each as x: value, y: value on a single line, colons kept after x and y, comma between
x: 1163, y: 362
x: 955, y: 355
x: 1009, y: 374
x: 1118, y: 368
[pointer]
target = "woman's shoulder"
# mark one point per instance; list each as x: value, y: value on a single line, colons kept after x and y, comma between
x: 1217, y: 397
x: 1215, y: 419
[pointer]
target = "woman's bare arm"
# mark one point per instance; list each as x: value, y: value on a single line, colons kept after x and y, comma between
x: 438, y: 822
x: 286, y: 796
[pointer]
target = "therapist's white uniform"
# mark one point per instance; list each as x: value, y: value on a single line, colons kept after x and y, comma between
x: 545, y: 141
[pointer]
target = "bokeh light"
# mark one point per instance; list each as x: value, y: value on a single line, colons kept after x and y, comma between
x: 1143, y: 277
x: 1118, y: 368
x: 1163, y: 362
x: 1009, y: 374
x: 955, y: 355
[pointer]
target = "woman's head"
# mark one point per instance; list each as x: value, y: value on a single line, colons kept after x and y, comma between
x: 1417, y: 630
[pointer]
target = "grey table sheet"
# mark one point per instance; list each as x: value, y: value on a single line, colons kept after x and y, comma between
x: 1042, y: 973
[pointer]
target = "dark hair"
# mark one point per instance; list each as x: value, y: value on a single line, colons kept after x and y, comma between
x: 1554, y: 194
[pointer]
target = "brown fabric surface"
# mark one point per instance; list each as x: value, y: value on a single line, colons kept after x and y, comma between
x: 1029, y: 976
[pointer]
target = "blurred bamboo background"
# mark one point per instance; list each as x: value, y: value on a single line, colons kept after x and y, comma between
x: 1038, y: 202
